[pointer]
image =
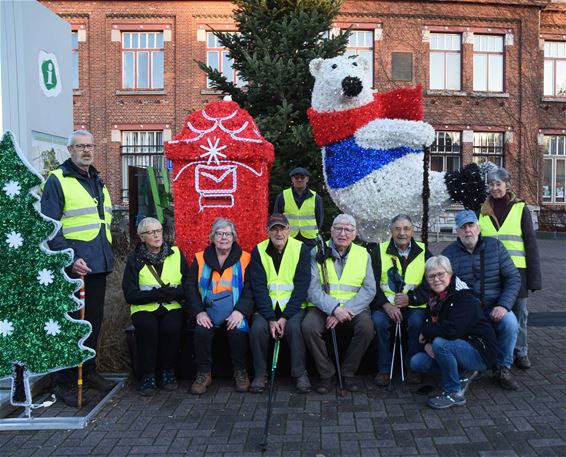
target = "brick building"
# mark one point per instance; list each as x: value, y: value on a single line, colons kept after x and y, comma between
x: 494, y: 75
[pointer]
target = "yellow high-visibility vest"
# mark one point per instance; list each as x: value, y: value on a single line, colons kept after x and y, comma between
x: 413, y: 274
x: 301, y: 219
x: 171, y: 274
x: 80, y: 219
x: 280, y: 284
x: 352, y: 277
x: 510, y: 233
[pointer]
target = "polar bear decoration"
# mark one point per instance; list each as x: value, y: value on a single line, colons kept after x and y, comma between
x: 372, y: 146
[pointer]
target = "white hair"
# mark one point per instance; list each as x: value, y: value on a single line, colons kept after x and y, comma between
x: 344, y: 219
x: 78, y: 133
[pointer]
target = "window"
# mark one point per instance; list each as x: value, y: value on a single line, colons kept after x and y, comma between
x: 488, y: 146
x: 361, y: 43
x: 488, y: 63
x: 555, y: 69
x: 402, y: 66
x: 445, y: 152
x: 142, y: 60
x: 141, y: 149
x: 75, y: 58
x: 445, y: 61
x: 217, y: 58
x: 554, y: 168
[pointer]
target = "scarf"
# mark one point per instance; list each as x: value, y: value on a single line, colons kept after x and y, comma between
x: 237, y: 282
x: 154, y: 258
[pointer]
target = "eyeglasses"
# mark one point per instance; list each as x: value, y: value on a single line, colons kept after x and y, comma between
x: 226, y: 235
x: 84, y: 147
x: 440, y: 276
x: 343, y: 229
x: 153, y: 232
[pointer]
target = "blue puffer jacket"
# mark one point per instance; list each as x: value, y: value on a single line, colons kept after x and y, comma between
x: 502, y: 279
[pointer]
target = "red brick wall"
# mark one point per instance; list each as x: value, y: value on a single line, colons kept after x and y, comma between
x: 520, y: 110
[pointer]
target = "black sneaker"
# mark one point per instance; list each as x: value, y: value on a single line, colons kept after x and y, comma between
x: 504, y: 378
x: 168, y: 380
x: 447, y: 400
x: 325, y: 385
x: 522, y: 362
x: 350, y: 384
x: 148, y: 387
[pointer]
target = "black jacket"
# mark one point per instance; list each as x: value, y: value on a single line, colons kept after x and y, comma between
x: 460, y: 317
x: 416, y: 296
x: 301, y: 283
x: 131, y: 287
x: 195, y: 304
x: 96, y: 253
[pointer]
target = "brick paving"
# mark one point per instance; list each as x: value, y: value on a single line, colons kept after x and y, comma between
x: 375, y: 422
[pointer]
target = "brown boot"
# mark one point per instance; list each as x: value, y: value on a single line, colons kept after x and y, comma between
x: 202, y: 381
x: 242, y: 380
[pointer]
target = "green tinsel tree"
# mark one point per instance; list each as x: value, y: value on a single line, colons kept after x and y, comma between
x: 271, y: 52
x: 35, y: 295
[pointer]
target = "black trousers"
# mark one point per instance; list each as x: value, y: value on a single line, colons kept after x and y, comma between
x: 237, y: 340
x: 158, y: 334
x: 95, y: 292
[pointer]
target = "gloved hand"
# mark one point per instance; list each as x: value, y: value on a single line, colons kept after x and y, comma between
x: 161, y: 295
x: 171, y: 294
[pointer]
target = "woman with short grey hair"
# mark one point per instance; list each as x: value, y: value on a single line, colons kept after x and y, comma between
x: 220, y: 298
x: 154, y: 285
x: 506, y: 217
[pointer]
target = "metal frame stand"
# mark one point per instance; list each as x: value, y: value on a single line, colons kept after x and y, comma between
x: 26, y: 421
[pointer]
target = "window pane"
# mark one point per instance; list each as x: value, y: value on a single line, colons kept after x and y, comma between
x: 436, y: 70
x: 143, y: 70
x: 211, y: 40
x: 495, y: 73
x: 480, y: 72
x: 559, y: 195
x: 126, y: 40
x: 549, y: 77
x: 157, y: 67
x: 159, y: 40
x: 74, y: 40
x: 143, y: 40
x: 227, y: 67
x: 75, y: 58
x: 452, y: 163
x: 561, y: 78
x: 151, y: 40
x: 436, y: 163
x: 547, y: 181
x: 560, y: 145
x: 212, y: 58
x: 452, y: 71
x: 368, y: 55
x: 135, y: 40
x: 128, y: 70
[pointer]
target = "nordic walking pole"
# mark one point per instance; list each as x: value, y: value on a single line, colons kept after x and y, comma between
x: 401, y: 356
x: 82, y: 295
x: 397, y: 327
x: 338, y: 368
x: 263, y: 444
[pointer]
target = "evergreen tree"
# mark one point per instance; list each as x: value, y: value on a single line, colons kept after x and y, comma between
x: 36, y: 332
x: 271, y: 51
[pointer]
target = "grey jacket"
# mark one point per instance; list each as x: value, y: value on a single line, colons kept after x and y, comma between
x: 325, y: 302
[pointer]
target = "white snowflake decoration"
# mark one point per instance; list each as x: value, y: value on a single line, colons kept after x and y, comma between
x: 52, y: 327
x: 12, y: 188
x: 14, y: 240
x: 213, y: 151
x: 45, y: 277
x: 6, y: 328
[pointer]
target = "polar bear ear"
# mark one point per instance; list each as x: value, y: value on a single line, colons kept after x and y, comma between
x: 314, y: 66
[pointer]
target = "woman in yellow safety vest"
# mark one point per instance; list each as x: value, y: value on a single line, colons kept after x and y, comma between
x: 220, y: 297
x: 154, y: 284
x: 507, y: 218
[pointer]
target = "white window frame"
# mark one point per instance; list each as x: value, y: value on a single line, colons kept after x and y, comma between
x: 445, y: 46
x: 554, y: 56
x: 213, y: 47
x: 447, y: 153
x: 489, y: 146
x: 75, y: 59
x: 361, y: 42
x: 491, y: 48
x: 555, y: 157
x: 136, y: 50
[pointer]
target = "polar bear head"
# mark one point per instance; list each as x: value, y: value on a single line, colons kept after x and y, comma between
x: 340, y: 83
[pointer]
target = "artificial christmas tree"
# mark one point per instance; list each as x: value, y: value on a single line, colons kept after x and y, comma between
x: 36, y: 295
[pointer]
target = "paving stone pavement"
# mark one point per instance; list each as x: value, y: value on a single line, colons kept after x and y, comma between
x: 375, y: 422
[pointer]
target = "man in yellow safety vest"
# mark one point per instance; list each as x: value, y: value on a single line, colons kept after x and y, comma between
x: 302, y: 206
x: 75, y: 195
x: 279, y: 274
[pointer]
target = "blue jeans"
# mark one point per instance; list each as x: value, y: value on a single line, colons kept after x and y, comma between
x: 382, y: 324
x: 521, y: 313
x: 506, y: 331
x: 451, y: 357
